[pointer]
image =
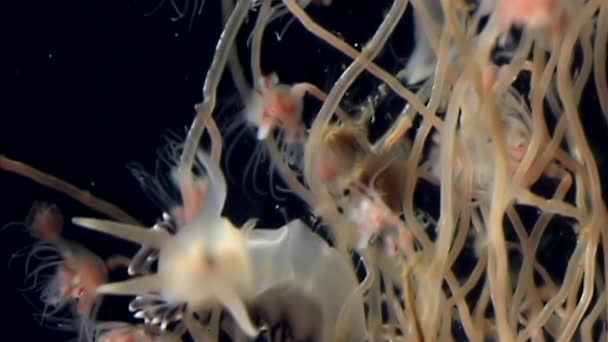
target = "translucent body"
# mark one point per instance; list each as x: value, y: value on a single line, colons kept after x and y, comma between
x: 294, y: 258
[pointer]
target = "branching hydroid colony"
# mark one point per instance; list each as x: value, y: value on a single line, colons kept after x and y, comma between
x: 492, y: 97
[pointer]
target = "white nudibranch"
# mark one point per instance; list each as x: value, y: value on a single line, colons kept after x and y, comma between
x: 209, y: 261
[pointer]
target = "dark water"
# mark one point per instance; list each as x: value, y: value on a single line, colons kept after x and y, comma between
x: 91, y: 86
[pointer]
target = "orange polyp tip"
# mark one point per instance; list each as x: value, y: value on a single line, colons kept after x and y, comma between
x: 532, y: 13
x: 286, y: 104
x: 488, y: 79
x: 45, y: 221
x: 559, y: 25
x: 194, y: 200
x: 327, y: 172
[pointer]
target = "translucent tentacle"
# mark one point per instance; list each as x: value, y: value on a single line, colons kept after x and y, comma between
x: 134, y: 233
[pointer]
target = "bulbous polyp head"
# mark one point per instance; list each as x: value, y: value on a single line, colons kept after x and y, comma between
x: 273, y: 104
x: 45, y: 221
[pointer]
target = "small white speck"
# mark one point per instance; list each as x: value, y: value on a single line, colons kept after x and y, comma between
x: 93, y: 184
x: 50, y: 55
x: 176, y: 34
